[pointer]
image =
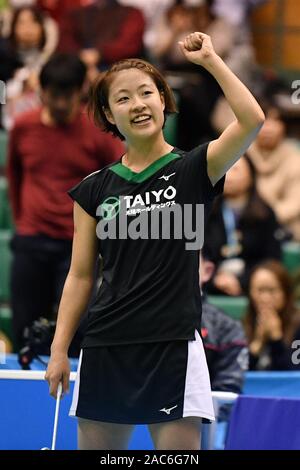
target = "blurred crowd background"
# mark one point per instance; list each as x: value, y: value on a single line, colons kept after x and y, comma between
x: 51, y: 51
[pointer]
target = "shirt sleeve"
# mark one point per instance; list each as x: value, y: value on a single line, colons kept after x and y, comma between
x: 196, y: 162
x: 85, y: 194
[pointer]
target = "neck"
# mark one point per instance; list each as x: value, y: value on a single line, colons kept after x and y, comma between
x: 143, y: 153
x: 48, y: 120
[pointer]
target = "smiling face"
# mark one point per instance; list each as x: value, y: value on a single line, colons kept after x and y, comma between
x: 136, y: 106
x: 265, y: 290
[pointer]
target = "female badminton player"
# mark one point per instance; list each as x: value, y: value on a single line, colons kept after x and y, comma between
x: 142, y: 359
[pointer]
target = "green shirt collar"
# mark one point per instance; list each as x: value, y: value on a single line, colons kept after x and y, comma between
x: 129, y: 175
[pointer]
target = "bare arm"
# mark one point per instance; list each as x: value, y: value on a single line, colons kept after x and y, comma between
x: 237, y: 137
x: 75, y: 297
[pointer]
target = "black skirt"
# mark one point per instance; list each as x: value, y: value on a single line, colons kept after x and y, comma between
x: 143, y: 383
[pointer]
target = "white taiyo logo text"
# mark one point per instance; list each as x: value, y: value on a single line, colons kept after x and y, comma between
x: 150, y: 197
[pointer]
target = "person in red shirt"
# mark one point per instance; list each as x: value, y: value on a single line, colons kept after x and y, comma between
x: 51, y: 149
x: 58, y: 8
x: 103, y: 32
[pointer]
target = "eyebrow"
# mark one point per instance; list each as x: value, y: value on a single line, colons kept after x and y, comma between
x: 124, y: 90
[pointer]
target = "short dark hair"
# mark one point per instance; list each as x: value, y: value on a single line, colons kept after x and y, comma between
x: 63, y: 72
x: 98, y: 96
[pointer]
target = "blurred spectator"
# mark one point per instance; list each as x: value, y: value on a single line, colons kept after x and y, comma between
x: 277, y: 163
x: 174, y: 25
x: 5, y: 345
x: 224, y: 340
x: 26, y: 33
x: 272, y: 322
x: 241, y: 57
x: 198, y: 92
x: 183, y: 18
x: 236, y: 12
x: 241, y: 231
x: 296, y: 284
x: 58, y: 8
x: 103, y: 32
x: 51, y: 149
x: 152, y: 11
x: 22, y: 55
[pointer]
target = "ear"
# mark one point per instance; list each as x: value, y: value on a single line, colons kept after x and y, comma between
x: 109, y: 116
x: 162, y: 97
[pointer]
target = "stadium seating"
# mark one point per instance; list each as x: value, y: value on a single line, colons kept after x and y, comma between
x: 3, y: 148
x: 291, y: 256
x: 5, y: 260
x: 235, y: 307
x: 5, y: 212
x: 5, y: 321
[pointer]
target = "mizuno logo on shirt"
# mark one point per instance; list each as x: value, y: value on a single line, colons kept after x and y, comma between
x: 168, y: 410
x: 166, y: 177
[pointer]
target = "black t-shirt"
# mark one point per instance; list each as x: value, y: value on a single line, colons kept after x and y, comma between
x: 150, y: 289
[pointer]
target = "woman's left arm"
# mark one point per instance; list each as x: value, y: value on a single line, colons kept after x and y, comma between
x: 224, y: 151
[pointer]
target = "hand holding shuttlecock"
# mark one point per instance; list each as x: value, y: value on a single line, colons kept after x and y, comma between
x: 197, y: 48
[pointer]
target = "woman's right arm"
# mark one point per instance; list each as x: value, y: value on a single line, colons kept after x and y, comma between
x: 75, y: 297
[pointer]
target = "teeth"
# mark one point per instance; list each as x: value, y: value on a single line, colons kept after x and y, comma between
x: 141, y: 118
